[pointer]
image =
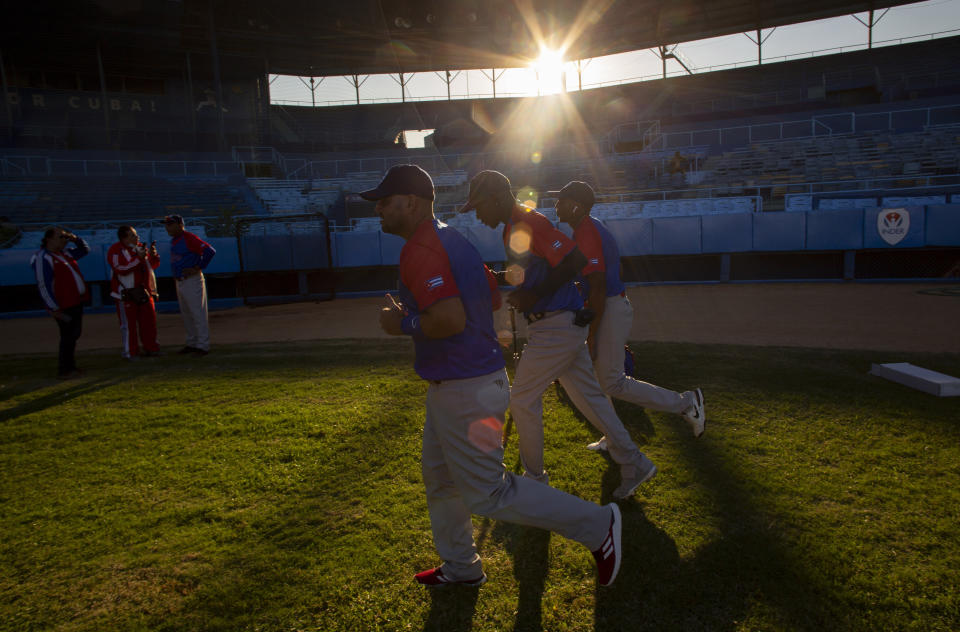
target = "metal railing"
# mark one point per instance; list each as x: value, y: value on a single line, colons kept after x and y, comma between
x: 815, y: 126
x: 882, y: 184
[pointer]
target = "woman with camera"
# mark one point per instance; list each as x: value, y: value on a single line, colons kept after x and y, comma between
x: 63, y: 291
x: 134, y: 287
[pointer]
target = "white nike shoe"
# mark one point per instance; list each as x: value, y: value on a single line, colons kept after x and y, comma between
x: 600, y: 445
x: 696, y: 415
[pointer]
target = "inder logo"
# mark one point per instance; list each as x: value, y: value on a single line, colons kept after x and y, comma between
x: 893, y: 224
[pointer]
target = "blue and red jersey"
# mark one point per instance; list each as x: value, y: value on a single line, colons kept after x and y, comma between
x: 58, y: 276
x: 438, y: 263
x: 532, y: 242
x: 189, y: 251
x: 600, y: 248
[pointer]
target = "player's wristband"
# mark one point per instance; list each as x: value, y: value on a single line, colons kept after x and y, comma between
x: 411, y: 325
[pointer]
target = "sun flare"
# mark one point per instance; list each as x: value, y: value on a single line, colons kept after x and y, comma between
x: 549, y: 69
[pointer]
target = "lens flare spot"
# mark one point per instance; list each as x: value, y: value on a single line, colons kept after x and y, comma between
x: 514, y: 275
x: 536, y: 157
x: 485, y: 434
x: 526, y: 195
x: 520, y: 239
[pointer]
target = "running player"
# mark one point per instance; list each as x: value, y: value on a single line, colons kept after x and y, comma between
x: 546, y: 262
x: 606, y: 296
x: 447, y: 297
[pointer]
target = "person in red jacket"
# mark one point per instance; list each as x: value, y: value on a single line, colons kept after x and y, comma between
x: 134, y: 288
x: 63, y: 291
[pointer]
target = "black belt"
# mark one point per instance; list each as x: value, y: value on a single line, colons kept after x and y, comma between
x: 533, y: 317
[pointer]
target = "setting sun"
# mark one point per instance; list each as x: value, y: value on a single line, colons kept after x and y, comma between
x: 549, y: 69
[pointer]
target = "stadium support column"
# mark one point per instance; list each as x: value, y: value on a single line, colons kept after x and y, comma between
x: 103, y: 94
x: 6, y: 97
x: 447, y: 78
x: 493, y: 76
x: 312, y: 86
x: 870, y: 23
x: 190, y: 105
x: 215, y: 61
x: 759, y: 41
x: 264, y: 126
x: 354, y: 80
x: 403, y: 86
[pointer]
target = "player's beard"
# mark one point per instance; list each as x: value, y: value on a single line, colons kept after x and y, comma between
x: 389, y: 226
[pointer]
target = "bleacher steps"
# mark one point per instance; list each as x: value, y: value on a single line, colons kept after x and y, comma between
x: 918, y: 378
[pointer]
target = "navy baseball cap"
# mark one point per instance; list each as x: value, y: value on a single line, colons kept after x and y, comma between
x: 173, y: 219
x: 402, y: 180
x: 484, y: 184
x: 579, y: 192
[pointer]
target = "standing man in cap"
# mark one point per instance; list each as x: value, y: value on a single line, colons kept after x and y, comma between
x: 447, y: 297
x: 63, y: 291
x: 613, y: 314
x: 189, y: 256
x: 547, y: 262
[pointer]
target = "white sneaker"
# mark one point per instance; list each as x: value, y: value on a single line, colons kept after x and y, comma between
x: 696, y: 415
x: 645, y: 470
x: 600, y: 445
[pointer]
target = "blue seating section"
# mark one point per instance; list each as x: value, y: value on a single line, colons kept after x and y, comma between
x: 104, y: 199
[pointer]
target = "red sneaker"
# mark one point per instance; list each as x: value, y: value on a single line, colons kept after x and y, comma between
x: 609, y: 553
x: 434, y: 578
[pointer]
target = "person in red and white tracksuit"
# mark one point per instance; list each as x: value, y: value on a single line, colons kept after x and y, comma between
x: 133, y: 265
x: 63, y: 291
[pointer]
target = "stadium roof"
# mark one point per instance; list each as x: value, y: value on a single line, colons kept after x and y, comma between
x: 321, y: 37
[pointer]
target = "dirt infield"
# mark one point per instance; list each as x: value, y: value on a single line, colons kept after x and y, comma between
x: 909, y: 317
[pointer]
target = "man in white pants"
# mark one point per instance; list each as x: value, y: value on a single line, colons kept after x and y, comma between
x: 606, y: 296
x: 447, y: 297
x: 189, y: 256
x: 545, y: 262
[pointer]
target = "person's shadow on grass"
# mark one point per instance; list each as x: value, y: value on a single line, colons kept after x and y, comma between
x: 716, y: 586
x: 530, y: 549
x: 451, y: 609
x: 58, y: 396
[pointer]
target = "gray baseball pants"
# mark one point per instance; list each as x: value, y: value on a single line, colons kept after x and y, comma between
x: 611, y: 336
x: 192, y: 296
x: 556, y: 348
x: 463, y: 474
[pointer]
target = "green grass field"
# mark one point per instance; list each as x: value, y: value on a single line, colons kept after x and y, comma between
x: 277, y: 487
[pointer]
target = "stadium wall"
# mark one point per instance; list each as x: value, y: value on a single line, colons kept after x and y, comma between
x: 747, y: 246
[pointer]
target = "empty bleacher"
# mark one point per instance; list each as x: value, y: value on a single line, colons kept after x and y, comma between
x: 862, y: 156
x: 292, y: 196
x: 319, y: 194
x: 94, y: 199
